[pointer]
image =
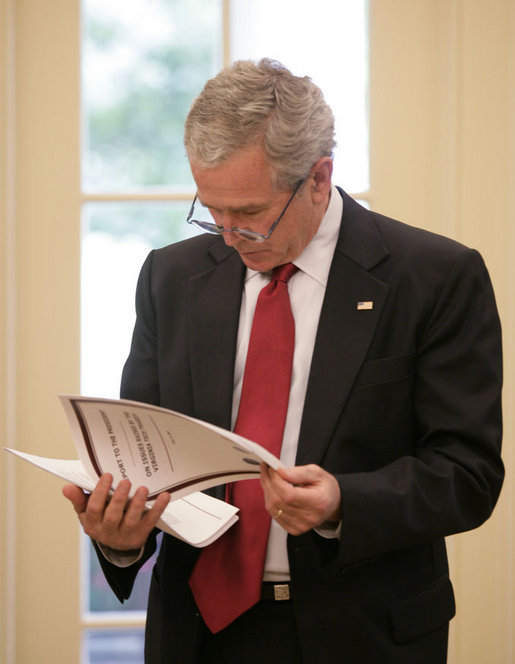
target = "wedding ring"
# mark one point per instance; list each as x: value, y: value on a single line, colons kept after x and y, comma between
x: 278, y: 514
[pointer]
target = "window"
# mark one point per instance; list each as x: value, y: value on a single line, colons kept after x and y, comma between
x: 143, y: 62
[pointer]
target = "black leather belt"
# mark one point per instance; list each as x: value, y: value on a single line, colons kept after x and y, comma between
x: 276, y: 592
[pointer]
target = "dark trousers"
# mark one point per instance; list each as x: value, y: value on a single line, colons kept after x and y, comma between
x: 265, y: 633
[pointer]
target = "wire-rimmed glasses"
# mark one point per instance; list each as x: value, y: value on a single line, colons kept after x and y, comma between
x: 211, y: 227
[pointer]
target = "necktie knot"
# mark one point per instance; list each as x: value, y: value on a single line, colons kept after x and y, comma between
x: 284, y: 272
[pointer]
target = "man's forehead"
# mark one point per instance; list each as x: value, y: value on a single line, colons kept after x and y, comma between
x: 236, y: 183
x: 234, y: 202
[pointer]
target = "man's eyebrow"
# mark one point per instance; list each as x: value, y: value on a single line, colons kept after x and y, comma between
x: 250, y: 207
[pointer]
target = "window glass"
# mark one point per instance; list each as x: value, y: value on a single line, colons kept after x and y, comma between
x: 143, y: 63
x: 113, y: 646
x: 116, y: 239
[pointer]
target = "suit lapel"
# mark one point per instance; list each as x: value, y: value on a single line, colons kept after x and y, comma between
x: 345, y: 329
x: 213, y: 314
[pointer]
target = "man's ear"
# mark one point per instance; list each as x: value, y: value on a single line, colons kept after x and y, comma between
x: 321, y: 179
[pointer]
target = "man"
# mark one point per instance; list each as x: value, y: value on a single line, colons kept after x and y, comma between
x: 391, y: 436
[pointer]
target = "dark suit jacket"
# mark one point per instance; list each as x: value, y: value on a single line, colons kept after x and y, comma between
x: 403, y: 406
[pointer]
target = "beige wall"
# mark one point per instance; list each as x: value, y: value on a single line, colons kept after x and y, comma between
x: 443, y: 157
x: 40, y: 286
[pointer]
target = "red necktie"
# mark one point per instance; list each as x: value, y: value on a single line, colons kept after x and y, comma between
x: 227, y: 577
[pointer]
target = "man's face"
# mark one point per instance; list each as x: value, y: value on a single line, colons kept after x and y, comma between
x: 240, y: 193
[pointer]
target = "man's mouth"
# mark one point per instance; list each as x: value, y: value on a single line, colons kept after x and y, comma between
x: 251, y: 254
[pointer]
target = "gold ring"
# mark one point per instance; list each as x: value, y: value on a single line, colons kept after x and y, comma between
x: 278, y: 514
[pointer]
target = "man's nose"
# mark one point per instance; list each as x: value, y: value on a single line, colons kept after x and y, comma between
x: 230, y: 238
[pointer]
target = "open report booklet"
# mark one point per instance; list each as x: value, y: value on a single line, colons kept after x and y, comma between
x: 163, y: 451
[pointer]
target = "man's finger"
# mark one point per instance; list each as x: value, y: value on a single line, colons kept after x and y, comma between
x: 76, y: 496
x: 301, y: 475
x: 136, y: 508
x: 99, y: 496
x: 154, y: 513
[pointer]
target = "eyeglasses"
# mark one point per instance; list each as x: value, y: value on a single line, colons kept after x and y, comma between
x: 211, y: 227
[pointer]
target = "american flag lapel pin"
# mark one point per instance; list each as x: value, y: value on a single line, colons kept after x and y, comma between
x: 365, y: 305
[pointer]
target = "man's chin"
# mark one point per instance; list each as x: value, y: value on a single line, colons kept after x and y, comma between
x: 260, y: 261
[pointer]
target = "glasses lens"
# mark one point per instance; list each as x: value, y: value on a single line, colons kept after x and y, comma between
x: 203, y: 219
x: 202, y: 215
x: 250, y: 235
x: 205, y: 226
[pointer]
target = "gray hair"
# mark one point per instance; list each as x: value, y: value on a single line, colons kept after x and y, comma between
x: 252, y: 102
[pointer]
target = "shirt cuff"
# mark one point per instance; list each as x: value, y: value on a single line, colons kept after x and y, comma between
x: 120, y: 558
x: 330, y: 530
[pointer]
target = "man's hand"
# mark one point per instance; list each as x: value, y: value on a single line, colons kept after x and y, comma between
x: 116, y: 520
x: 302, y: 497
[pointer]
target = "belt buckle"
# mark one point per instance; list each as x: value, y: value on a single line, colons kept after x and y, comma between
x: 281, y: 592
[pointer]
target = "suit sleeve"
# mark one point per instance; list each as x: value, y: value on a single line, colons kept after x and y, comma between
x: 451, y: 481
x: 121, y: 579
